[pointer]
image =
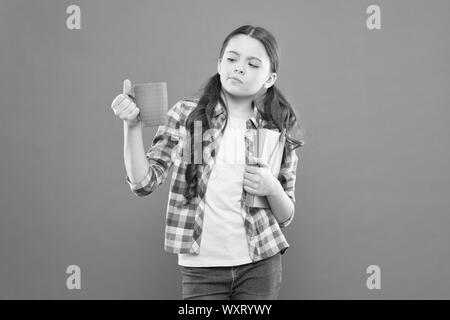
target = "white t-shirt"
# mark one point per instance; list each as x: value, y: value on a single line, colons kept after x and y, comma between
x: 223, y: 239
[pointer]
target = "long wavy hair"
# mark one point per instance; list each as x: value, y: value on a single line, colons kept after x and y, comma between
x: 277, y: 110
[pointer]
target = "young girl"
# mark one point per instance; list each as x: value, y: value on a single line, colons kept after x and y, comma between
x: 226, y: 250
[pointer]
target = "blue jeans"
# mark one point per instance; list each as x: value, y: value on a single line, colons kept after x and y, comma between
x: 259, y: 280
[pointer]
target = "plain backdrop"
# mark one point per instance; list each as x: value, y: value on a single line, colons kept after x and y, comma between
x: 373, y: 178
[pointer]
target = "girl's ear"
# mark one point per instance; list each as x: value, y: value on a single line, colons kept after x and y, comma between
x: 271, y: 81
x: 218, y: 66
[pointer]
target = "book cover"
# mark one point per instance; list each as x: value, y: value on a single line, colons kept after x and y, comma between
x: 269, y: 145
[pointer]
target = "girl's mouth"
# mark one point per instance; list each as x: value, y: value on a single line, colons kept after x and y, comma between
x: 235, y: 80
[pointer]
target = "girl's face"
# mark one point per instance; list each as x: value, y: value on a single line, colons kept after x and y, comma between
x: 245, y: 59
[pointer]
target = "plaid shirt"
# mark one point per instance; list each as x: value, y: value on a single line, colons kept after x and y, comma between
x: 184, y: 222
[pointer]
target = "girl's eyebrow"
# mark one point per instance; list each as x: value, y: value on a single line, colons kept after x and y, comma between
x: 231, y: 51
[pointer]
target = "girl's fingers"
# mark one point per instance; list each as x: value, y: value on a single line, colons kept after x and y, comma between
x: 127, y: 109
x: 249, y: 189
x: 249, y: 175
x: 249, y: 183
x: 123, y: 104
x: 132, y: 113
x: 118, y: 100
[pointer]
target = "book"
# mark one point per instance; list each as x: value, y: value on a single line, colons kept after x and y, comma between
x: 269, y: 146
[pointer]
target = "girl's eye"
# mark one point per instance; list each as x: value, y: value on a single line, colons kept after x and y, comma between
x: 230, y: 59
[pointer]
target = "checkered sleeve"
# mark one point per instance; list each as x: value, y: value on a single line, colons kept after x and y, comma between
x: 161, y: 154
x: 287, y: 177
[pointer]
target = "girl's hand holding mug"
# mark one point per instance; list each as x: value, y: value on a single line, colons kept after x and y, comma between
x: 125, y: 107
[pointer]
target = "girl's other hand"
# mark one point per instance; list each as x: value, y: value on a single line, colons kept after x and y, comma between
x: 259, y: 180
x: 125, y: 108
